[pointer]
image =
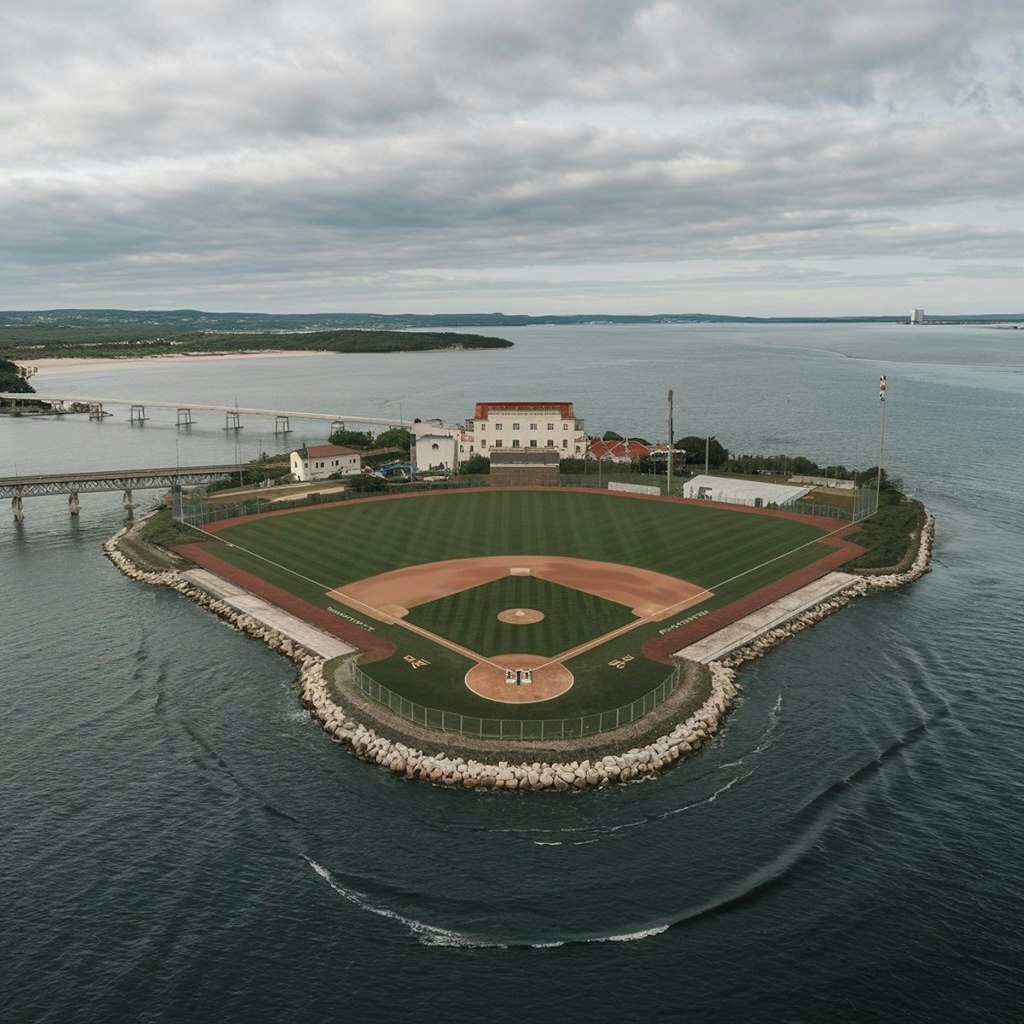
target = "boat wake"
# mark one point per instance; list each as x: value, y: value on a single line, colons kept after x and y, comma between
x: 433, y: 935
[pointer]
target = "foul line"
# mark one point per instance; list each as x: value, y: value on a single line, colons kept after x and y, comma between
x: 573, y: 652
x: 441, y: 641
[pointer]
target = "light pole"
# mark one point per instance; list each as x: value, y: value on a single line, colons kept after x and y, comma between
x: 671, y: 439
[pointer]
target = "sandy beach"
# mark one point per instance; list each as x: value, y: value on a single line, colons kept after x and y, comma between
x: 70, y: 362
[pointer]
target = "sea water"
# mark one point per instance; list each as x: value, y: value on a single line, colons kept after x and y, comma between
x: 182, y: 843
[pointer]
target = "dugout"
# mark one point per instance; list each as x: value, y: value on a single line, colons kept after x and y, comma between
x: 524, y: 467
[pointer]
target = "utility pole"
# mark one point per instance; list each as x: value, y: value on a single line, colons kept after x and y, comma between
x: 671, y: 438
x: 707, y: 455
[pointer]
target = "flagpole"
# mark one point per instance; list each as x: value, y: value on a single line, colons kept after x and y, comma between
x: 882, y: 384
x: 670, y: 439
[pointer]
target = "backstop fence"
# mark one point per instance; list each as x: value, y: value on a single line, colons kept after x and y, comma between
x: 515, y: 728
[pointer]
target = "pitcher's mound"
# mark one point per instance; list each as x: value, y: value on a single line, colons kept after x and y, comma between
x: 488, y: 679
x: 520, y: 616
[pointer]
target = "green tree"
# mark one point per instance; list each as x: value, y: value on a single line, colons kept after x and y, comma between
x: 694, y: 448
x: 353, y: 438
x: 476, y: 464
x: 365, y: 484
x: 394, y: 437
x: 14, y: 378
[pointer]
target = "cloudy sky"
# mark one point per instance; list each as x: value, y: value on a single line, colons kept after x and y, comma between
x: 542, y: 156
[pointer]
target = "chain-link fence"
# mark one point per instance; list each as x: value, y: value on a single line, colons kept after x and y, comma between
x: 193, y: 507
x: 515, y: 728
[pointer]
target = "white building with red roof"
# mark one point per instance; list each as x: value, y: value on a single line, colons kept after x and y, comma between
x: 545, y: 425
x: 319, y: 461
x: 617, y: 451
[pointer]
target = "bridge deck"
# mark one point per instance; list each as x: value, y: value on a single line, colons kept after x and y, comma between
x: 110, y: 480
x: 199, y: 407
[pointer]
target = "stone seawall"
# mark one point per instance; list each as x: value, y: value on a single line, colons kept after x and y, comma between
x: 451, y: 769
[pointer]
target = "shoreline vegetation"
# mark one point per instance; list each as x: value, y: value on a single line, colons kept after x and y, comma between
x: 125, y: 342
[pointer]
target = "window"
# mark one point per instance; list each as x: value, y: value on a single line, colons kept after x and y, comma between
x: 515, y: 426
x: 551, y: 426
x: 483, y: 426
x: 565, y: 426
x: 497, y: 426
x: 497, y: 444
x: 515, y: 443
x: 435, y: 447
x: 565, y: 444
x: 533, y: 444
x: 551, y: 443
x: 533, y: 426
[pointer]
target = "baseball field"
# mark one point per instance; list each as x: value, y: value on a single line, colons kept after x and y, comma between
x: 522, y: 603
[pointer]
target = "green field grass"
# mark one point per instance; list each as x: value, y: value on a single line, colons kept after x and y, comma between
x: 470, y: 618
x: 312, y: 551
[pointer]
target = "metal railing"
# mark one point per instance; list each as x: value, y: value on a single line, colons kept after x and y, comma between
x: 515, y: 728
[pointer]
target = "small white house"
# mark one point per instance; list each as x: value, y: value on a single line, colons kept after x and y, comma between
x: 318, y: 462
x: 436, y: 450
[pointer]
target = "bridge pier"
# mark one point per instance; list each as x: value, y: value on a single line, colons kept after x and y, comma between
x: 184, y: 417
x: 137, y: 414
x: 231, y: 421
x: 73, y: 506
x: 281, y: 425
x: 129, y: 505
x: 96, y: 411
x: 16, y: 507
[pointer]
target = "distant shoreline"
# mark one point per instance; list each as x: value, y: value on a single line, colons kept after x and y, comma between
x: 70, y: 362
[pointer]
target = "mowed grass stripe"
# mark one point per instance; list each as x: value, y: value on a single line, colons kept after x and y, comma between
x: 347, y: 543
x: 470, y: 617
x: 343, y: 543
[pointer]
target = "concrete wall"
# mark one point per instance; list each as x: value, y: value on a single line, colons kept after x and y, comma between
x: 523, y: 476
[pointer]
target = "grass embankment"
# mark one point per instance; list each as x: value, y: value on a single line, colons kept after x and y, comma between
x: 163, y: 530
x: 28, y: 343
x: 889, y: 535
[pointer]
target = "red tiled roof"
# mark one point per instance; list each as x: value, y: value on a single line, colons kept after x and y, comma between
x: 323, y: 451
x: 483, y: 409
x: 618, y: 449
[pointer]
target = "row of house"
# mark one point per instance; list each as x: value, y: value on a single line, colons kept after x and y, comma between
x: 551, y: 428
x: 510, y: 426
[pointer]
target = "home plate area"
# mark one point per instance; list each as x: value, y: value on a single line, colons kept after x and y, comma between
x: 519, y: 617
x: 502, y: 678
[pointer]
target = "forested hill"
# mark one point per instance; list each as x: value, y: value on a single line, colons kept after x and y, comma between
x: 134, y: 340
x: 176, y: 322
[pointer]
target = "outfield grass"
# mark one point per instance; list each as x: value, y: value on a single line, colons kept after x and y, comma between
x: 312, y: 551
x: 470, y: 618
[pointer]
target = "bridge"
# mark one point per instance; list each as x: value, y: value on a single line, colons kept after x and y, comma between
x: 128, y: 480
x: 232, y: 413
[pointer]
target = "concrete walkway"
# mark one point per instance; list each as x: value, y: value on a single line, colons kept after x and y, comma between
x: 316, y: 641
x: 751, y: 626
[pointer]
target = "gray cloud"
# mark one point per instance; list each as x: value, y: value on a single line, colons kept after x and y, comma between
x: 251, y: 148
